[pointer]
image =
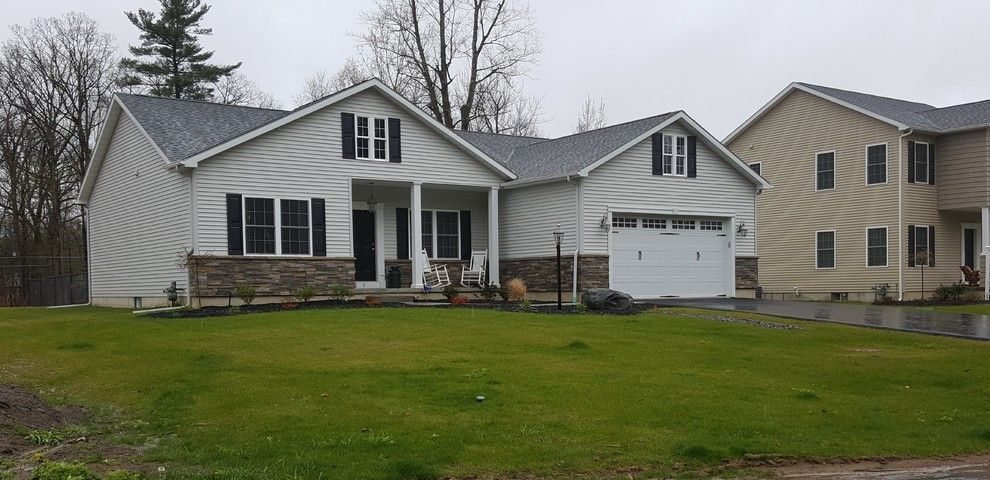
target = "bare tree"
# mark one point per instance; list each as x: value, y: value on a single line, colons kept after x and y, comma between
x: 322, y: 84
x: 56, y: 76
x: 502, y: 108
x: 592, y: 115
x: 237, y: 89
x: 443, y: 53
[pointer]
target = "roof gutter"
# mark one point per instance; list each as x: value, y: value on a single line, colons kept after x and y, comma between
x: 900, y: 213
x: 539, y: 181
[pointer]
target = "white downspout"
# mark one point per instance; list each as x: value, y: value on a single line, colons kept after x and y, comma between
x: 900, y: 214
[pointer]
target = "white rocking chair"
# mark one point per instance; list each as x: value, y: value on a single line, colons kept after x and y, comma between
x: 475, y: 272
x: 434, y: 276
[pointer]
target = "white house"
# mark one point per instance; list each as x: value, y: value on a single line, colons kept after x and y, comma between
x: 342, y: 190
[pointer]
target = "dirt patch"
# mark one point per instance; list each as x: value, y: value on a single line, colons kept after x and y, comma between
x: 32, y: 430
x: 958, y: 467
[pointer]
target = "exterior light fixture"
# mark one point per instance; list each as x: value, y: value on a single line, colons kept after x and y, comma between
x: 372, y: 203
x: 558, y: 237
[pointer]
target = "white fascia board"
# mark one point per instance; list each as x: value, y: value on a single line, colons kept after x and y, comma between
x: 194, y: 160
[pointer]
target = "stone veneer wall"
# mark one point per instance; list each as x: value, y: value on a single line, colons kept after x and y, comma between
x: 217, y: 276
x: 540, y: 273
x: 747, y: 272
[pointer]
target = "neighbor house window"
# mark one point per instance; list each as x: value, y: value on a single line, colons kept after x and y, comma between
x: 876, y: 164
x: 442, y: 234
x: 623, y: 222
x: 259, y: 226
x: 876, y: 247
x: 920, y: 244
x: 921, y: 151
x: 825, y: 171
x: 276, y: 227
x: 825, y: 249
x: 757, y: 167
x: 295, y: 227
x: 675, y: 155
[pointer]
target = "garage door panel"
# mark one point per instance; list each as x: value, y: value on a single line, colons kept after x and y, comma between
x: 653, y: 262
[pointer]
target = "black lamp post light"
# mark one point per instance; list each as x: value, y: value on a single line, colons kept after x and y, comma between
x: 558, y: 236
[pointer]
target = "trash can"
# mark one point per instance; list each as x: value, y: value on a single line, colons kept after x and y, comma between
x: 393, y: 279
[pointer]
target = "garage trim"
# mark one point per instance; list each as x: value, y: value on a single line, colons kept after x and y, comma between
x: 730, y: 277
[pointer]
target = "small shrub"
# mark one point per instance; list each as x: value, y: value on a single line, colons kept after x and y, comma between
x: 247, y: 293
x: 372, y: 300
x: 515, y: 289
x: 580, y: 308
x: 62, y: 471
x: 949, y: 293
x: 340, y: 292
x: 459, y: 299
x: 122, y: 475
x: 525, y: 304
x: 450, y: 291
x: 306, y: 293
x: 45, y: 437
x: 489, y: 292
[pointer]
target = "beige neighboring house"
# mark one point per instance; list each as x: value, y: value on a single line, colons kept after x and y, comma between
x: 862, y: 184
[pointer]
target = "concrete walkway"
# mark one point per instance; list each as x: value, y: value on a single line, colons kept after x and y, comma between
x: 907, y: 319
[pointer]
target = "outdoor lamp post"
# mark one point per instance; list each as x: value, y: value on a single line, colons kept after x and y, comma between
x: 558, y: 236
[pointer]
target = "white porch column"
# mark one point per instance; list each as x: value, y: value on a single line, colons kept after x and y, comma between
x: 493, y: 235
x: 416, y: 212
x: 985, y: 251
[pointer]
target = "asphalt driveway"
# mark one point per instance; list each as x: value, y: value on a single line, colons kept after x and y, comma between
x: 889, y: 317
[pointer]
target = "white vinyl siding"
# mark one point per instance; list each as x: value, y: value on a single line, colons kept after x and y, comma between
x: 303, y: 159
x: 528, y: 216
x: 719, y: 190
x: 138, y: 219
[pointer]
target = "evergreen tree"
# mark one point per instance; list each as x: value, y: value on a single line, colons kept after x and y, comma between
x: 177, y: 65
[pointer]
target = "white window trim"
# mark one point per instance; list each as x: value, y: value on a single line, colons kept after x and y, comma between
x: 760, y: 173
x: 371, y: 138
x: 278, y: 226
x: 835, y: 250
x: 835, y: 168
x: 886, y: 257
x: 927, y: 246
x: 433, y: 233
x: 673, y: 155
x: 886, y: 164
x: 914, y: 165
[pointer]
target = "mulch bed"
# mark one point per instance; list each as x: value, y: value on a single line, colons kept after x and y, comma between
x: 535, y: 307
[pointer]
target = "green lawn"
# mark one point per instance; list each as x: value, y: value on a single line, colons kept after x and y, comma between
x: 390, y: 393
x: 976, y: 308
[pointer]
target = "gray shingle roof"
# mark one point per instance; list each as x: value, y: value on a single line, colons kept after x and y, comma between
x: 546, y: 158
x: 915, y: 115
x: 182, y: 128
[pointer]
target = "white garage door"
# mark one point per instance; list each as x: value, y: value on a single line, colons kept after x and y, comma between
x: 669, y: 256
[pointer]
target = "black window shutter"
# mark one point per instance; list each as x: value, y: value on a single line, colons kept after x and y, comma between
x: 394, y: 140
x: 465, y: 234
x: 692, y: 157
x: 347, y: 134
x: 931, y: 246
x: 657, y: 153
x: 931, y: 164
x: 910, y: 245
x: 319, y: 208
x: 235, y: 225
x: 402, y: 233
x: 910, y: 160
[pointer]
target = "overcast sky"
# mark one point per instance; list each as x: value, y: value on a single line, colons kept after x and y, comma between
x: 718, y: 60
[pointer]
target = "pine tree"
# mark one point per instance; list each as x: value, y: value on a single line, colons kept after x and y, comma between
x: 177, y: 65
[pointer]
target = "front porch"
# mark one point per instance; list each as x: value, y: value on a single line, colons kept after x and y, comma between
x: 391, y: 221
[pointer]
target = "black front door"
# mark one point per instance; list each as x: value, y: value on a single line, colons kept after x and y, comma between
x: 969, y: 244
x: 364, y: 246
